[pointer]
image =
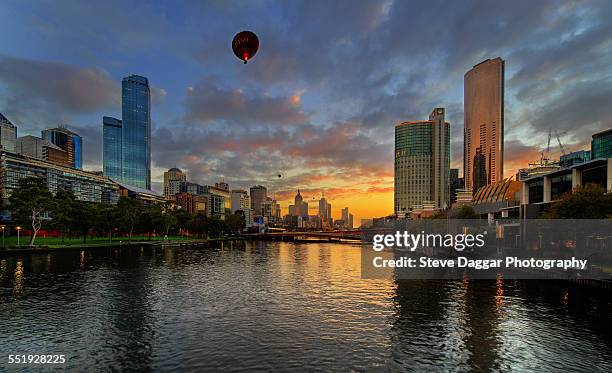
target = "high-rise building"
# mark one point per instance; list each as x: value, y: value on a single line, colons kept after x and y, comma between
x: 259, y: 194
x: 127, y: 142
x: 271, y: 211
x: 601, y: 145
x: 241, y: 203
x: 136, y: 131
x: 69, y: 141
x: 8, y: 135
x: 345, y: 215
x: 172, y: 181
x: 422, y: 163
x: 112, y: 148
x: 483, y: 100
x: 35, y: 147
x: 323, y: 207
x: 300, y: 208
x: 455, y: 184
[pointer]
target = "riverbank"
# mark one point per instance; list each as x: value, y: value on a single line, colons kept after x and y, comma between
x: 173, y: 241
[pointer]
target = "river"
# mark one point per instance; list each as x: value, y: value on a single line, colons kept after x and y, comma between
x: 245, y: 306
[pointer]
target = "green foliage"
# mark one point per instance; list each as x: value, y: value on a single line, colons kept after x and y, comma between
x: 31, y: 204
x: 586, y: 202
x: 129, y: 213
x: 107, y: 219
x: 235, y: 222
x: 465, y: 212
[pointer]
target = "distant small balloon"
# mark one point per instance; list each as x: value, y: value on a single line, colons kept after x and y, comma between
x: 245, y: 45
x: 279, y: 176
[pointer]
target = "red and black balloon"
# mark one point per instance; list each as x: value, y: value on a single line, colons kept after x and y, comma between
x: 245, y: 45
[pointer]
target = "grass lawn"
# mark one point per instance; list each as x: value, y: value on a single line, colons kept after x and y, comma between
x: 78, y: 241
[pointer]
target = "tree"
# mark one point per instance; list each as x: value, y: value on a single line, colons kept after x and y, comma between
x: 128, y: 212
x: 198, y: 225
x: 85, y: 217
x: 31, y: 203
x: 586, y: 202
x: 235, y: 222
x: 465, y: 212
x: 63, y: 211
x: 183, y: 218
x: 106, y: 219
x: 164, y: 218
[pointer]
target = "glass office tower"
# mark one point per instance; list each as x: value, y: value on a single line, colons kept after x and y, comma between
x: 136, y: 131
x: 422, y: 163
x: 68, y: 141
x: 112, y: 149
x: 483, y: 110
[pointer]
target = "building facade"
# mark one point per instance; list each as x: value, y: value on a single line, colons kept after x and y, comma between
x: 422, y: 163
x: 192, y: 203
x: 577, y: 157
x: 136, y: 131
x: 241, y: 201
x: 259, y: 194
x: 69, y: 141
x: 483, y: 100
x: 35, y: 147
x: 86, y: 186
x: 172, y: 181
x: 271, y: 211
x: 112, y: 149
x: 8, y: 134
x: 601, y: 145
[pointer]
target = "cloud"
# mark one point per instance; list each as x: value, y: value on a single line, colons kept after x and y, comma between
x: 58, y: 86
x: 207, y: 102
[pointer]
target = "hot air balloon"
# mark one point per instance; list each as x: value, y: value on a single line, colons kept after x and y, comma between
x: 245, y: 45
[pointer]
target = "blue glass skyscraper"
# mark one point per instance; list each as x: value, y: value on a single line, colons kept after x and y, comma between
x: 112, y: 149
x: 69, y: 141
x: 136, y: 132
x: 127, y: 142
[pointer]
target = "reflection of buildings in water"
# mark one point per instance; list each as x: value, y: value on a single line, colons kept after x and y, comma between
x: 129, y: 306
x: 3, y: 277
x: 18, y: 279
x: 82, y: 260
x: 420, y: 316
x: 463, y: 314
x: 481, y: 322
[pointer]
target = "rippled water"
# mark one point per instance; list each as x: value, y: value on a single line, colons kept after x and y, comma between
x: 288, y: 307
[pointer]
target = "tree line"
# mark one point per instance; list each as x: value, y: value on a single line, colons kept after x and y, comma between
x: 34, y: 207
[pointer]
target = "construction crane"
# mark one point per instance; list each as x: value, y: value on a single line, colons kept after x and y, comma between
x: 563, y: 149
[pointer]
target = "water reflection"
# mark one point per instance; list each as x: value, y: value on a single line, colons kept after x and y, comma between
x: 281, y: 306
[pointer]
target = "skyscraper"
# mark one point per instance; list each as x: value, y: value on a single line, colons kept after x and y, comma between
x: 112, y: 149
x: 259, y: 194
x: 136, y: 131
x: 422, y: 163
x: 483, y: 100
x: 172, y: 181
x: 69, y: 141
x: 8, y: 134
x: 127, y: 142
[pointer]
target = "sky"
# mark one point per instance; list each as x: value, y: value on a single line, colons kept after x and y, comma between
x: 319, y: 102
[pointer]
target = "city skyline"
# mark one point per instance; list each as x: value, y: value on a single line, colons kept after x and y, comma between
x: 321, y: 116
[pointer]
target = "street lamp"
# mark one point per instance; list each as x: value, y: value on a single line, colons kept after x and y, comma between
x: 18, y: 230
x: 2, y: 227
